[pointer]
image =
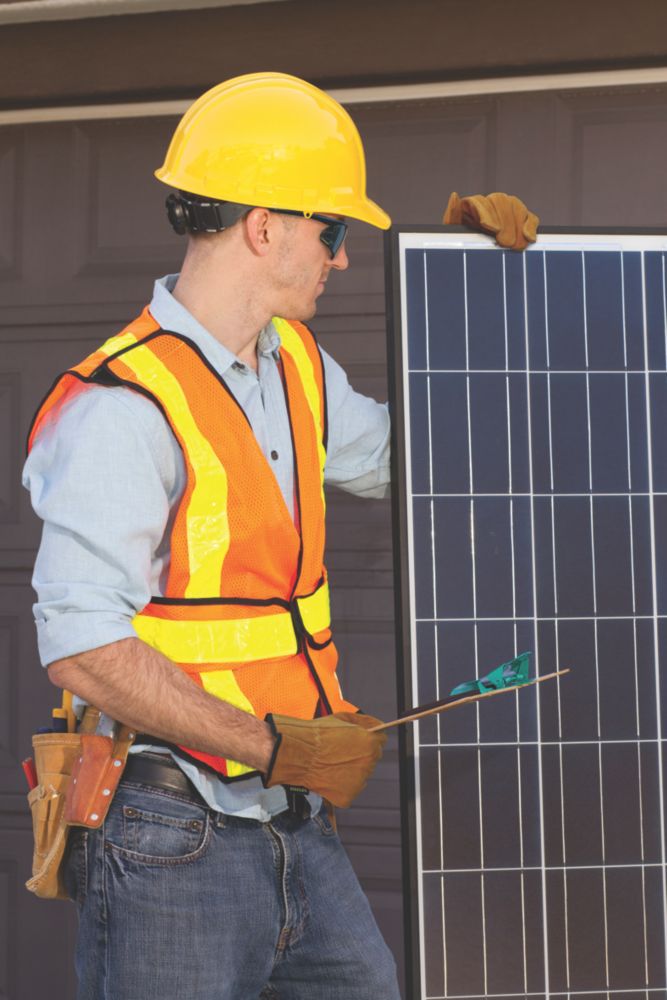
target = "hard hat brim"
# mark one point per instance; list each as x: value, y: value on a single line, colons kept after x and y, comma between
x: 367, y: 211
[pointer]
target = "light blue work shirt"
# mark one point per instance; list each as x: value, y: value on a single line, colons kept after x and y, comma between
x: 106, y: 480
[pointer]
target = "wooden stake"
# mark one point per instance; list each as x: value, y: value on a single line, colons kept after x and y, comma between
x: 417, y: 714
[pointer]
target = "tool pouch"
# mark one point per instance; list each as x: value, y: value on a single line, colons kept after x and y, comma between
x: 77, y: 776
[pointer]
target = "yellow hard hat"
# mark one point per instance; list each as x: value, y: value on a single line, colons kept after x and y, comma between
x: 272, y: 140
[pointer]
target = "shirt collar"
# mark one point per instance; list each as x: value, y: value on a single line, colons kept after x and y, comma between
x: 173, y: 316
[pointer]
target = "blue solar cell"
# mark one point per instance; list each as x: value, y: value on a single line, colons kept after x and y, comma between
x: 604, y: 310
x: 420, y: 434
x: 609, y: 433
x: 566, y: 326
x: 450, y: 432
x: 446, y: 309
x: 416, y: 309
x: 633, y: 297
x: 485, y: 313
x: 656, y: 309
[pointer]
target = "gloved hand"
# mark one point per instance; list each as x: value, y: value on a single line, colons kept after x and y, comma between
x: 333, y: 756
x: 503, y: 215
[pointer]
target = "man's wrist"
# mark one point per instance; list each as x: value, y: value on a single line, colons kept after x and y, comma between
x: 268, y: 746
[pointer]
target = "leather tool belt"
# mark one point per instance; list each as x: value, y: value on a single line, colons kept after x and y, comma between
x: 77, y: 776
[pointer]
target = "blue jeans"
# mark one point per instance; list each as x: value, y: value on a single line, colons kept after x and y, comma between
x: 177, y: 902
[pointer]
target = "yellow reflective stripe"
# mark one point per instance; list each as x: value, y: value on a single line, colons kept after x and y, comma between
x: 207, y: 525
x: 239, y: 641
x: 315, y: 610
x: 293, y: 343
x: 117, y: 343
x: 222, y: 684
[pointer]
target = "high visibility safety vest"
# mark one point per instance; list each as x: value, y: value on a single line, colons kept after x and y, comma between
x: 245, y: 611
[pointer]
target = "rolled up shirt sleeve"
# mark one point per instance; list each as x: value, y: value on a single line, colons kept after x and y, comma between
x: 102, y: 480
x: 359, y: 437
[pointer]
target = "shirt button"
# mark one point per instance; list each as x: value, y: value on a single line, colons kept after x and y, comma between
x: 274, y: 455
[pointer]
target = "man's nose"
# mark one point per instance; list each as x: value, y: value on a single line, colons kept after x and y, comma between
x: 341, y: 261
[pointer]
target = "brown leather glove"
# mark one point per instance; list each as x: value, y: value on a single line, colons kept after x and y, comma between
x: 333, y: 756
x: 503, y: 215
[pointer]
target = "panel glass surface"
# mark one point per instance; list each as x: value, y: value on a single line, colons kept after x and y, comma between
x: 534, y: 433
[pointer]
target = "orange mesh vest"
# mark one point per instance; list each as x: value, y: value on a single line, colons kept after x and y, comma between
x: 246, y: 606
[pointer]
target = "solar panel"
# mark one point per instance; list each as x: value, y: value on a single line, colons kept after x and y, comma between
x: 529, y: 402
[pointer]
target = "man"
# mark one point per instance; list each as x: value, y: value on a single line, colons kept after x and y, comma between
x: 179, y: 472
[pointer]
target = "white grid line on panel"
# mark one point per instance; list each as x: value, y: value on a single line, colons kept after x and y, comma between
x: 507, y: 351
x: 434, y: 594
x: 465, y: 307
x: 538, y: 496
x: 549, y: 433
x: 545, y: 279
x: 660, y: 990
x: 567, y: 929
x: 645, y: 925
x: 508, y: 398
x: 440, y: 785
x: 654, y: 589
x: 540, y: 776
x: 430, y: 440
x: 625, y: 363
x: 604, y: 874
x: 625, y: 866
x: 551, y: 618
x: 627, y: 434
x: 558, y: 680
x: 643, y: 857
x: 444, y: 936
x: 584, y: 305
x: 499, y: 370
x: 664, y: 304
x: 561, y: 779
x: 621, y: 260
x: 427, y: 333
x: 553, y: 549
x: 473, y: 558
x: 631, y: 535
x: 649, y: 741
x: 485, y: 971
x: 635, y: 657
x: 413, y: 603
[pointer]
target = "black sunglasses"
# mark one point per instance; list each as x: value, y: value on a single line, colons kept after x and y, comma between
x: 334, y: 233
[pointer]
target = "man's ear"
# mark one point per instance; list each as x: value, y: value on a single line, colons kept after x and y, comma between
x: 260, y: 230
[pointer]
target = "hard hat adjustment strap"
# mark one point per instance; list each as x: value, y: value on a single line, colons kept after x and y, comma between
x: 191, y: 214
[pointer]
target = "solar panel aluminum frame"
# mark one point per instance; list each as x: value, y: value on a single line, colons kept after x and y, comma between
x: 394, y: 253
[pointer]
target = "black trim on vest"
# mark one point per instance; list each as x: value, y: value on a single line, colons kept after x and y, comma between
x: 188, y: 343
x: 86, y: 379
x: 253, y: 602
x: 259, y: 602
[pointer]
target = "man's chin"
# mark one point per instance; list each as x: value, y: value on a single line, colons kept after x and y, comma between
x: 304, y: 314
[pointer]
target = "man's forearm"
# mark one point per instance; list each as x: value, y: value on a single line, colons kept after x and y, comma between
x: 133, y: 683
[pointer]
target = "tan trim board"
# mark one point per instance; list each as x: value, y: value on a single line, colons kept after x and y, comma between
x: 362, y: 95
x: 25, y: 11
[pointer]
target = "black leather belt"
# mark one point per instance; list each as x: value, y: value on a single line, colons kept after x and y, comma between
x: 159, y: 771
